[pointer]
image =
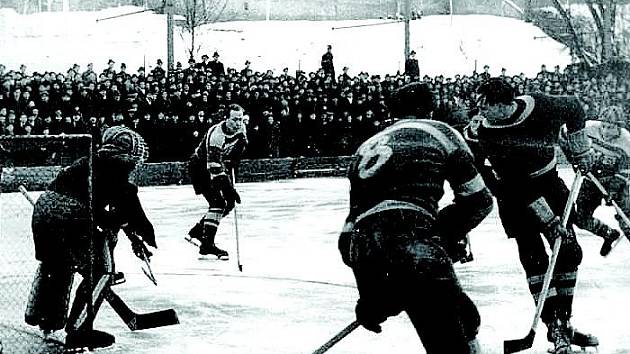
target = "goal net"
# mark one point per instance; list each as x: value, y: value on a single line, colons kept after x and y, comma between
x: 27, y: 163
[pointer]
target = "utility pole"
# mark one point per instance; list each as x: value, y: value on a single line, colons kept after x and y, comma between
x: 407, y: 18
x: 268, y: 10
x: 168, y: 7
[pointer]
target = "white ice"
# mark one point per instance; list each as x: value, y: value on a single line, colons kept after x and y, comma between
x: 295, y: 293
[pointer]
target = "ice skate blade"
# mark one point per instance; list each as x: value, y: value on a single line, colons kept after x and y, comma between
x: 581, y: 350
x: 212, y: 257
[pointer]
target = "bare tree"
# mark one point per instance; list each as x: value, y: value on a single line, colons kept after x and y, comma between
x: 198, y: 13
x: 603, y: 13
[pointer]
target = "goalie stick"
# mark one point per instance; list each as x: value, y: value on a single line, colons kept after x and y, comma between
x: 138, y: 321
x: 135, y: 321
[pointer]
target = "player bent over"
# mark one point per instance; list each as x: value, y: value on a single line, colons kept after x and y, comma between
x: 61, y: 234
x: 611, y: 142
x: 218, y: 153
x: 518, y: 136
x: 396, y: 240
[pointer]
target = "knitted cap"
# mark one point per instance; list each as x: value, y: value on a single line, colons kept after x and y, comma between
x: 124, y: 143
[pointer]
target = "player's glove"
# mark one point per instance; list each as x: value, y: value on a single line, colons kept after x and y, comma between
x: 554, y: 229
x: 370, y: 315
x: 230, y: 195
x: 584, y: 161
x: 616, y: 186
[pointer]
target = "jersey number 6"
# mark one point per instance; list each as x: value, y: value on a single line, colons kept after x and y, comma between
x: 374, y: 153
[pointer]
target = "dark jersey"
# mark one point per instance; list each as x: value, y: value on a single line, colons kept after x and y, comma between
x: 524, y: 146
x: 405, y: 166
x: 110, y: 185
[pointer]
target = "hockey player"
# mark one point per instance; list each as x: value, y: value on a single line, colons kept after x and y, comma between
x: 396, y: 240
x: 217, y: 155
x: 518, y: 135
x: 611, y: 142
x: 64, y: 243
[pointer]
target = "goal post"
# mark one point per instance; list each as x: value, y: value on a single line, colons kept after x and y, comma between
x: 32, y: 162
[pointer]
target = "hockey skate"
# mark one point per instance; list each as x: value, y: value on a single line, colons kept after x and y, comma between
x: 559, y: 329
x: 558, y: 333
x: 208, y: 249
x: 77, y: 341
x: 610, y: 236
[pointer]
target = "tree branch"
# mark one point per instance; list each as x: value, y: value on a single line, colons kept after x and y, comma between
x: 596, y: 16
x: 576, y: 40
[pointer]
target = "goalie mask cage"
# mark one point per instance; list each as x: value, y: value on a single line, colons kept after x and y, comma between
x: 31, y: 162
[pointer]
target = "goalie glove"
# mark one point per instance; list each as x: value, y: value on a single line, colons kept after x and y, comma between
x: 138, y: 246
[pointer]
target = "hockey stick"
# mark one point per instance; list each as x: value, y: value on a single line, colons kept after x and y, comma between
x: 146, y: 266
x: 338, y: 337
x: 138, y: 321
x: 135, y: 321
x: 618, y: 210
x: 238, y: 250
x: 517, y: 345
x: 24, y: 192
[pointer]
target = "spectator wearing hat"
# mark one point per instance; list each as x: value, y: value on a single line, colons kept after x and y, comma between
x: 89, y: 74
x: 246, y: 71
x: 216, y: 67
x: 204, y: 65
x: 327, y: 62
x: 158, y: 72
x: 412, y: 69
x: 110, y: 71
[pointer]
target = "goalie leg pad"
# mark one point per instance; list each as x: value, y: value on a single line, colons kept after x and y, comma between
x: 49, y: 297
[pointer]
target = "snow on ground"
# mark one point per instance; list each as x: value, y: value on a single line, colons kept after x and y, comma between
x: 295, y: 293
x: 445, y: 45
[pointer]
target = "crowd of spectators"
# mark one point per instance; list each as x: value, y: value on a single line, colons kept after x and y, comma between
x: 289, y: 114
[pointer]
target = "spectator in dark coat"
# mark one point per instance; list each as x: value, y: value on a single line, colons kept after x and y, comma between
x: 412, y: 69
x: 216, y: 67
x: 327, y: 62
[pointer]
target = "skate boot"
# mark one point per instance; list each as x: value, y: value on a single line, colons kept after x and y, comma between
x: 76, y: 340
x: 559, y: 333
x: 207, y: 248
x: 583, y: 340
x: 609, y: 236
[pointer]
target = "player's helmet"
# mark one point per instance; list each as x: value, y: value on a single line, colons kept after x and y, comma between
x: 496, y: 90
x: 613, y: 115
x: 414, y: 99
x: 124, y: 143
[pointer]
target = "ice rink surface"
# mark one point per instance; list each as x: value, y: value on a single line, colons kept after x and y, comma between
x: 294, y: 292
